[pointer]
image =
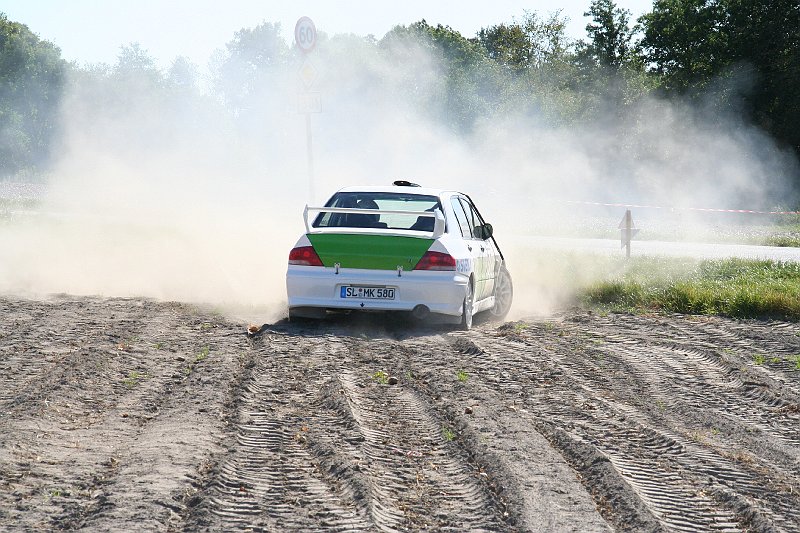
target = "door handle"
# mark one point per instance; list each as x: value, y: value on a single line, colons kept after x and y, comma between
x: 469, y: 248
x: 482, y: 249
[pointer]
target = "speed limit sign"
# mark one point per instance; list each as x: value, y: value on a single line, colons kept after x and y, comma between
x: 305, y: 34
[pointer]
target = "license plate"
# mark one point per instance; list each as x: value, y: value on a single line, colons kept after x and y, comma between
x: 367, y: 293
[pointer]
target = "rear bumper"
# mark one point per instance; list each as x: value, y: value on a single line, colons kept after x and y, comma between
x: 441, y: 291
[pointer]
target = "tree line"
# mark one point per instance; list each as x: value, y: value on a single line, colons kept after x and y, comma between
x: 737, y: 57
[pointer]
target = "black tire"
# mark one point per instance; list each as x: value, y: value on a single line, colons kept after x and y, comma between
x: 466, y: 313
x: 503, y: 295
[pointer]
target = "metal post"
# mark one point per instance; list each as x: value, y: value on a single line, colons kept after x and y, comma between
x: 310, y: 153
x: 628, y: 228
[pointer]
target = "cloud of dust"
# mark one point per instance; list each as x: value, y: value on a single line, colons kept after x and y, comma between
x: 177, y: 194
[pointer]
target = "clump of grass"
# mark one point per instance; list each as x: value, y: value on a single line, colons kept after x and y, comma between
x: 56, y: 492
x: 733, y: 287
x: 202, y: 355
x: 759, y: 359
x: 786, y: 241
x: 797, y: 362
x: 462, y: 376
x: 519, y: 327
x: 448, y: 434
x: 381, y: 377
x: 134, y: 378
x: 199, y: 358
x: 698, y: 437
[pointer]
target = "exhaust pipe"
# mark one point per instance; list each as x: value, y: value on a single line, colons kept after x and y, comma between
x: 421, y: 312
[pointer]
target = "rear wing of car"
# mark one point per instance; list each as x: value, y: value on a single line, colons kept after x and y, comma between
x: 438, y: 223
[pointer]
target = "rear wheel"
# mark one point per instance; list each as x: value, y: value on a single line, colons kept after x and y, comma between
x: 503, y: 295
x: 466, y: 313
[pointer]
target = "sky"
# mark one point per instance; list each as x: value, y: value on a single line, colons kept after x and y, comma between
x: 92, y: 31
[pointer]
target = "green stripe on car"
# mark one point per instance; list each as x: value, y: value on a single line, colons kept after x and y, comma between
x: 376, y: 252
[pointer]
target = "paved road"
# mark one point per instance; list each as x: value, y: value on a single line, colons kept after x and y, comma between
x: 671, y: 249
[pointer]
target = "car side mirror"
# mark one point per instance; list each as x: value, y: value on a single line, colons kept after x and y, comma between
x: 485, y: 231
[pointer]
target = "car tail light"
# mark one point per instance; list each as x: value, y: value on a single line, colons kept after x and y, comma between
x: 304, y: 255
x: 436, y: 261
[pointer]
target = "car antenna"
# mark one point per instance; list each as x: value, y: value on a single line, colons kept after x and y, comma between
x: 404, y: 183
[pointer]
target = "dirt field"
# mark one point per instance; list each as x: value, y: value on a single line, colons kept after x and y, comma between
x: 125, y: 414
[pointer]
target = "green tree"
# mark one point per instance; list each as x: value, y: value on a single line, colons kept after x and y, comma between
x: 694, y: 45
x: 683, y: 42
x: 532, y: 43
x: 31, y: 85
x: 183, y: 75
x: 548, y: 37
x: 508, y: 44
x: 607, y: 67
x: 251, y: 61
x: 442, y: 41
x: 610, y: 34
x: 467, y: 87
x: 764, y: 37
x: 136, y: 74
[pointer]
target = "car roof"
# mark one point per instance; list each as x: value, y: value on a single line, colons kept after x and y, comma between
x: 398, y: 189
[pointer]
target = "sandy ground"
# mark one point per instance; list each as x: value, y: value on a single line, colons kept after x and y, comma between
x: 127, y: 414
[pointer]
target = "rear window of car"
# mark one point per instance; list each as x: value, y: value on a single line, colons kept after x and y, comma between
x: 418, y: 203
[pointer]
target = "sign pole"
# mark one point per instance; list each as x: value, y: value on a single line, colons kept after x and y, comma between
x: 310, y: 153
x: 627, y: 232
x: 305, y: 36
x: 628, y: 225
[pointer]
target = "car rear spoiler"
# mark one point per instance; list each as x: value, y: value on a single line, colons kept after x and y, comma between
x: 438, y: 224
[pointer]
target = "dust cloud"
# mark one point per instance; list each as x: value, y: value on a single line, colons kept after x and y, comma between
x: 195, y: 192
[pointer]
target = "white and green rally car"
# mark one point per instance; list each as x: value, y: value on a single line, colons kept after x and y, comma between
x: 399, y: 248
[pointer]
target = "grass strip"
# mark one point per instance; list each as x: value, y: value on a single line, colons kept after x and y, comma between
x: 737, y: 288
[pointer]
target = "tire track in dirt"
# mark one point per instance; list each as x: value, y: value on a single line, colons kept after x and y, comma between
x: 270, y: 479
x: 703, y: 398
x: 711, y: 380
x: 618, y: 382
x: 681, y: 380
x: 537, y: 486
x: 680, y: 375
x: 640, y: 456
x: 107, y: 425
x: 124, y: 414
x: 45, y: 358
x: 770, y: 351
x: 17, y: 371
x: 396, y: 421
x: 322, y: 442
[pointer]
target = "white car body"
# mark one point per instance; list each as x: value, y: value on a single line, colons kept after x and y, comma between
x: 380, y: 269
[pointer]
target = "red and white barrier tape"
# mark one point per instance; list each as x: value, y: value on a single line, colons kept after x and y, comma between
x: 707, y: 209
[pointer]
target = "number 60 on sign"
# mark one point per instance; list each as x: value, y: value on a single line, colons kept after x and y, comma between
x: 305, y: 34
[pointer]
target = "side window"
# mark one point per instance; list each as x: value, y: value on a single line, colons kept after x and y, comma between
x: 472, y: 216
x: 461, y: 217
